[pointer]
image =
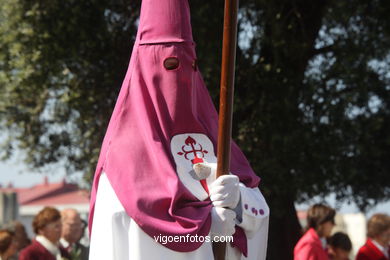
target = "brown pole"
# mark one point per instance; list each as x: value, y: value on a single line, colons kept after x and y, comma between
x: 226, y: 99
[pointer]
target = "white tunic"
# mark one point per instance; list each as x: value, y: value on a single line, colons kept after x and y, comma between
x: 115, y: 236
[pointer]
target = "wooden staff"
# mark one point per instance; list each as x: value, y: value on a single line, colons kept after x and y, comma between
x: 226, y: 99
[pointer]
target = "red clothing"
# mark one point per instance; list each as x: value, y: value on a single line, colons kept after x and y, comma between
x: 309, y: 247
x: 35, y: 251
x: 370, y: 252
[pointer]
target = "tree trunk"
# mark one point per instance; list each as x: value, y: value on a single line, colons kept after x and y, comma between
x: 290, y: 33
x: 284, y: 229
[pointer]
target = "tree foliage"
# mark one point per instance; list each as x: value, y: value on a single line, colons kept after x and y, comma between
x: 62, y: 63
x: 312, y: 91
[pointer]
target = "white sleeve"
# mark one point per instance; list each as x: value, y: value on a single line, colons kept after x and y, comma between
x: 254, y: 210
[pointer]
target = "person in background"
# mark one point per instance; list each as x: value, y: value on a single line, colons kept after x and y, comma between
x: 72, y: 231
x: 20, y: 236
x: 47, y: 225
x: 339, y: 246
x: 8, y: 245
x: 377, y: 245
x: 312, y: 246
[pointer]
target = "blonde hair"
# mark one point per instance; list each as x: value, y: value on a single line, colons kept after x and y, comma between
x: 377, y: 224
x: 319, y: 214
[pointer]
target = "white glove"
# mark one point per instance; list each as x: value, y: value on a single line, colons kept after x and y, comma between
x: 225, y: 191
x: 222, y: 222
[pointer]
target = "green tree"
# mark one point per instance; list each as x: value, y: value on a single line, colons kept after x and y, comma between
x: 62, y: 63
x: 312, y: 91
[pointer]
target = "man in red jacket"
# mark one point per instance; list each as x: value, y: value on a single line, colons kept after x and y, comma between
x: 377, y: 245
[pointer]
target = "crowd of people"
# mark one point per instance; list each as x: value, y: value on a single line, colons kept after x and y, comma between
x: 57, y: 237
x: 317, y: 243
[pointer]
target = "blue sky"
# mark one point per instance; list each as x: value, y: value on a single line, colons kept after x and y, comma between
x: 19, y: 175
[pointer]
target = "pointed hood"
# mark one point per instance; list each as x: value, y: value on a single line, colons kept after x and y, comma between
x: 165, y: 21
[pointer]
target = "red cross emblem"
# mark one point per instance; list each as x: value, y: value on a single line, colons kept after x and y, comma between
x: 191, y: 147
x: 194, y: 148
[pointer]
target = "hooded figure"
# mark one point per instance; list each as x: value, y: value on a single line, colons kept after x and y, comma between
x: 155, y: 194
